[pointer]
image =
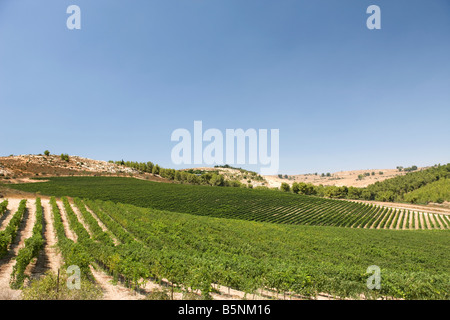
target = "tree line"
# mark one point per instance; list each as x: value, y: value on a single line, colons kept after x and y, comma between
x: 192, y: 177
x: 396, y: 189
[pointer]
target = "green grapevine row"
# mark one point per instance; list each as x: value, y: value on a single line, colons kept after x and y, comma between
x: 8, y: 235
x: 230, y: 203
x: 3, y: 207
x: 72, y: 252
x: 33, y: 246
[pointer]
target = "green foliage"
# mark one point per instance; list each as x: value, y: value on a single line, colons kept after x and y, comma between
x: 399, y: 188
x: 156, y: 169
x: 73, y: 252
x: 193, y: 251
x: 47, y: 153
x: 412, y: 168
x: 3, y: 207
x: 64, y: 157
x: 190, y: 176
x: 94, y: 227
x: 49, y: 287
x: 235, y: 203
x: 8, y: 235
x: 158, y: 295
x: 395, y: 189
x: 33, y: 246
x: 438, y: 191
x: 285, y: 187
x: 217, y: 180
x: 197, y: 251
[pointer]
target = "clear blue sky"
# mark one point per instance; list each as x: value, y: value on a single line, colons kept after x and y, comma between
x: 344, y: 97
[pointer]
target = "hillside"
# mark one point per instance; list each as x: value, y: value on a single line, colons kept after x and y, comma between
x: 397, y: 189
x: 237, y: 203
x: 352, y: 178
x: 437, y: 192
x: 18, y: 169
x: 245, y: 177
x: 127, y: 252
x: 201, y: 241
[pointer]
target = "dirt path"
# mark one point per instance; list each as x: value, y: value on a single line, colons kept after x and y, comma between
x: 435, y: 221
x: 80, y: 218
x: 7, y: 263
x: 111, y: 291
x: 69, y: 233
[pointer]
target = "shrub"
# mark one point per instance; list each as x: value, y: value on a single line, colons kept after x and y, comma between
x: 158, y: 295
x: 285, y: 187
x: 49, y: 288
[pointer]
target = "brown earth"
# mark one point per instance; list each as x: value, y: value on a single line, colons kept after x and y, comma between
x: 21, y: 169
x: 339, y: 179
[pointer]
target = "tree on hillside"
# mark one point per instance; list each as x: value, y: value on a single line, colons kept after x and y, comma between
x: 217, y: 180
x: 156, y: 169
x: 295, y: 187
x: 285, y: 187
x: 47, y: 153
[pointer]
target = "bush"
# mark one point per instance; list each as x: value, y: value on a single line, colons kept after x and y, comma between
x: 285, y: 187
x: 158, y: 295
x: 191, y: 296
x: 47, y: 153
x: 48, y: 288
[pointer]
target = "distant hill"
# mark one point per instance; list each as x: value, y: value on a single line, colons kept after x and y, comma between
x: 352, y: 178
x: 438, y: 192
x: 21, y: 168
x: 406, y: 188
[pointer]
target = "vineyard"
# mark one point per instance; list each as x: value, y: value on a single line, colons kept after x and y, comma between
x: 237, y: 203
x: 137, y: 246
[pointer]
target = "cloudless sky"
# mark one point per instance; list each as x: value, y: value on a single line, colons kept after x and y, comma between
x: 343, y: 97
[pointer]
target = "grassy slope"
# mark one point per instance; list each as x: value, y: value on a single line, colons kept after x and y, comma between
x: 396, y: 188
x: 334, y: 260
x: 414, y: 264
x: 236, y: 203
x: 437, y: 191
